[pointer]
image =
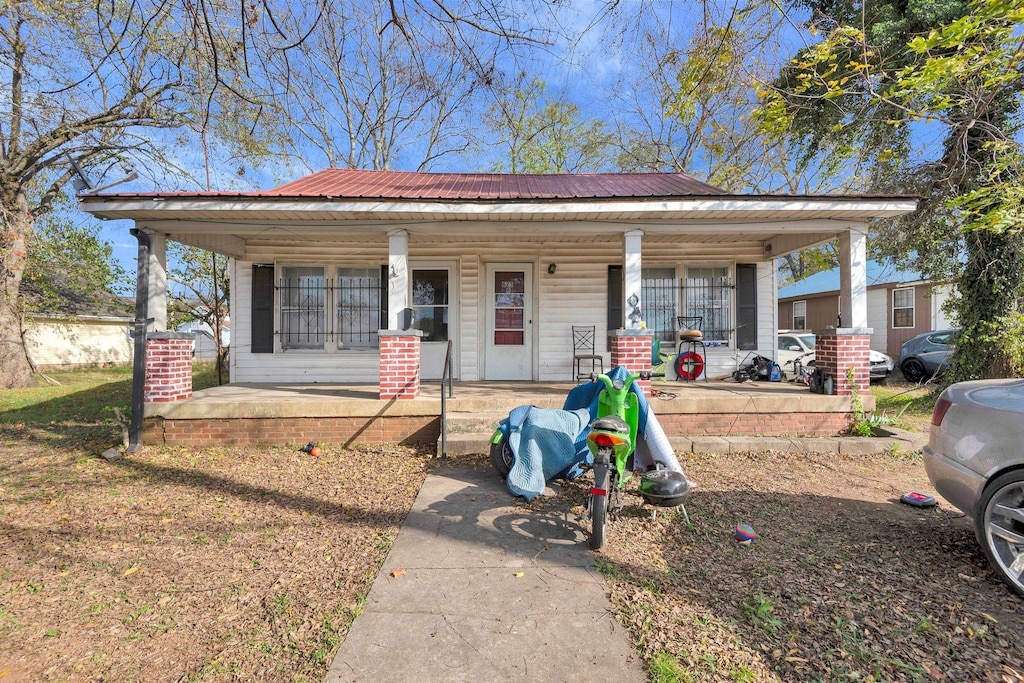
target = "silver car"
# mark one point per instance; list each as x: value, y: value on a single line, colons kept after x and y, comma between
x: 927, y: 355
x: 975, y: 460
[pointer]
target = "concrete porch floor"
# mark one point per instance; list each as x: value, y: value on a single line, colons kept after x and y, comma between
x: 261, y: 400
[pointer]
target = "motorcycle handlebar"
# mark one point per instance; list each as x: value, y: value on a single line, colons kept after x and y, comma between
x: 609, y: 383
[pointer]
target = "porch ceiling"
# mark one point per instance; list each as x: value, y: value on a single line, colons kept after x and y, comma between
x: 240, y: 245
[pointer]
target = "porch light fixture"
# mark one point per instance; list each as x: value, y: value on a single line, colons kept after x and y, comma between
x: 552, y: 268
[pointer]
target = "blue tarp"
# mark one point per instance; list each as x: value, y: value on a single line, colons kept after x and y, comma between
x: 551, y: 444
x: 547, y: 444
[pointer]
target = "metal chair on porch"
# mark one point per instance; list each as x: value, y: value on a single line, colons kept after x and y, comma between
x: 583, y: 337
x: 690, y: 365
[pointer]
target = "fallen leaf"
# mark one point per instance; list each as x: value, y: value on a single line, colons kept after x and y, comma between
x: 397, y: 571
x: 989, y: 617
x: 131, y: 570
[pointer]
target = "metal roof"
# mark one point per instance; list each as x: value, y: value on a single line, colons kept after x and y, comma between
x: 335, y: 182
x: 356, y: 184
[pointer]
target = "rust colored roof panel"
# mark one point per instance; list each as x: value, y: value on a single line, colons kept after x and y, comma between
x: 358, y: 184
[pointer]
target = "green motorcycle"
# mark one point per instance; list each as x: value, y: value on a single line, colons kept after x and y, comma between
x: 612, y: 440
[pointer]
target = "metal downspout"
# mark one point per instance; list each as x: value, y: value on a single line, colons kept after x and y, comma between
x: 141, y: 323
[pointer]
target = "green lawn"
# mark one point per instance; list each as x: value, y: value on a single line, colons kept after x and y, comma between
x: 77, y: 406
x: 908, y: 406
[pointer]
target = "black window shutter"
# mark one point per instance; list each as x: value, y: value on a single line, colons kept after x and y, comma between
x: 615, y: 319
x: 263, y: 308
x: 384, y: 297
x: 746, y: 306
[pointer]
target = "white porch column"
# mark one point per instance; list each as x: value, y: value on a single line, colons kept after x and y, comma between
x: 853, y: 278
x: 157, y: 304
x: 632, y: 306
x: 398, y: 280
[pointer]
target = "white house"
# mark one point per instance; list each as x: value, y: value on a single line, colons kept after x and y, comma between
x: 500, y: 265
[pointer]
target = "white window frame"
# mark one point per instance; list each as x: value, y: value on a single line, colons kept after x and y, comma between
x: 729, y: 303
x: 330, y: 271
x: 802, y: 316
x: 373, y: 272
x: 665, y: 329
x: 282, y: 342
x: 912, y: 307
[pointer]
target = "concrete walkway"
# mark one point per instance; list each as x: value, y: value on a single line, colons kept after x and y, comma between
x: 489, y: 593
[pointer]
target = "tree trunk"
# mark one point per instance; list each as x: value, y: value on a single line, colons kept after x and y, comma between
x: 16, y: 369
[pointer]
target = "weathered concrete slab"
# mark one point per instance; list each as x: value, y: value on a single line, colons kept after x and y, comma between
x: 745, y: 444
x: 710, y: 445
x: 853, y: 445
x: 489, y: 592
x: 816, y: 445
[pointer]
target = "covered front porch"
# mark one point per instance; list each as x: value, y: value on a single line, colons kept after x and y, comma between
x: 353, y: 414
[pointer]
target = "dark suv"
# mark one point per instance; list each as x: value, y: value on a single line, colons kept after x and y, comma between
x: 927, y: 355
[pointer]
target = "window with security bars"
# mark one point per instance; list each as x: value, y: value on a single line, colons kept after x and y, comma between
x: 357, y: 294
x: 707, y: 292
x: 658, y: 299
x: 903, y: 307
x: 346, y: 310
x: 303, y: 296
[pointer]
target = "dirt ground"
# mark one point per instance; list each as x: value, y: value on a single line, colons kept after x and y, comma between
x: 249, y: 564
x: 185, y: 565
x: 843, y: 583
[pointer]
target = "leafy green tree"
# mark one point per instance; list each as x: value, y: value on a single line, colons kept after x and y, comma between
x: 544, y: 135
x: 877, y: 81
x: 199, y: 291
x: 81, y: 79
x: 70, y: 269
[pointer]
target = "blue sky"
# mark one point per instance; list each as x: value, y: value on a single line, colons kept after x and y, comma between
x: 591, y: 72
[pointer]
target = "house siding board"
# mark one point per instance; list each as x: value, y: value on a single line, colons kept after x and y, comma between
x: 822, y: 311
x: 767, y: 322
x: 940, y: 295
x: 922, y: 319
x: 878, y: 318
x: 57, y: 344
x: 575, y: 294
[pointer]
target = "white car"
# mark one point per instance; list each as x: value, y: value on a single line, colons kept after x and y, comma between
x: 793, y: 345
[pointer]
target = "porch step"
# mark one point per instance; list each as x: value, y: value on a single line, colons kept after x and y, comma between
x: 474, y: 423
x: 470, y: 433
x: 467, y: 444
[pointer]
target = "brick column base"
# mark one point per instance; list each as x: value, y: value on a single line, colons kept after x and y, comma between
x: 632, y: 348
x: 399, y: 364
x: 838, y: 349
x: 168, y: 367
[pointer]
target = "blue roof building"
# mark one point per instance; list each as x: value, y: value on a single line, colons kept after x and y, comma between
x: 901, y: 304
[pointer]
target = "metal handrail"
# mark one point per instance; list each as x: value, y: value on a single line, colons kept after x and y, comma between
x: 446, y: 373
